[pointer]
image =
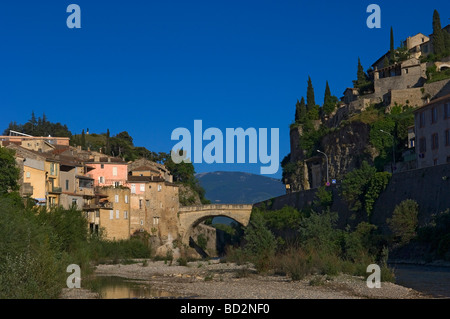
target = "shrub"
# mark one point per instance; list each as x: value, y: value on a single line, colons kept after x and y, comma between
x: 404, y: 220
x: 260, y: 242
x: 317, y: 232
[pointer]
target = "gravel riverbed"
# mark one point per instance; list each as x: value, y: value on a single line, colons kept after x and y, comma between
x: 214, y: 280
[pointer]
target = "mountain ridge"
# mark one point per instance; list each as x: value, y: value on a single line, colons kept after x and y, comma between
x: 229, y: 187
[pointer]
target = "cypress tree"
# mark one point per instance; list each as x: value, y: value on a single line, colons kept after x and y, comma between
x: 438, y: 37
x: 300, y: 111
x: 83, y: 140
x: 327, y: 94
x: 329, y: 101
x: 108, y: 145
x: 311, y: 107
x: 391, y: 50
x: 361, y: 77
x: 310, y: 101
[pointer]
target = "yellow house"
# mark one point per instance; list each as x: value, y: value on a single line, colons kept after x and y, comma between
x: 34, y: 178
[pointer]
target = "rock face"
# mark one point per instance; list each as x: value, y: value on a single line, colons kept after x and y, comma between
x: 346, y: 147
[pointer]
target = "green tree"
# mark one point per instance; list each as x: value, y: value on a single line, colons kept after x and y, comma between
x: 377, y: 184
x: 108, y: 143
x: 9, y: 172
x: 312, y: 108
x: 260, y: 242
x: 438, y: 36
x: 355, y: 185
x: 404, y: 221
x: 329, y: 101
x: 300, y: 111
x: 83, y: 140
x: 310, y: 100
x: 317, y: 232
x: 391, y: 49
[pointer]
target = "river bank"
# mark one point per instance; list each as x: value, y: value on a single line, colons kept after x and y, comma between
x: 215, y: 280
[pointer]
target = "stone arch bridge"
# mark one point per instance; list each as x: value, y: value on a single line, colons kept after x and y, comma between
x: 190, y: 216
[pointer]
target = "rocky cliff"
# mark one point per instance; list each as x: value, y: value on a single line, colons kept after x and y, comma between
x: 346, y: 147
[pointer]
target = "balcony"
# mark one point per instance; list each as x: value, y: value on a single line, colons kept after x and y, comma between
x: 85, y: 191
x: 55, y: 190
x: 92, y: 206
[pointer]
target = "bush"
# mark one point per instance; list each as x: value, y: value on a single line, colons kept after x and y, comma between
x: 317, y: 232
x: 260, y: 242
x: 404, y: 220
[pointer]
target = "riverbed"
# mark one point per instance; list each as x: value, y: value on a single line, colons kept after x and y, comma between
x: 215, y: 280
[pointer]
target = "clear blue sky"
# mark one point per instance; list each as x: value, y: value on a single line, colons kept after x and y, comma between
x: 148, y: 67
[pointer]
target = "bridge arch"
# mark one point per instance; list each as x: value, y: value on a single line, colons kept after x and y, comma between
x: 191, y: 216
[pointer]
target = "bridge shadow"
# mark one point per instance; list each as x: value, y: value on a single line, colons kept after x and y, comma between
x: 197, y: 248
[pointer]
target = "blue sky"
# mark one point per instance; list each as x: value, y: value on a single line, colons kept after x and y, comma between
x: 149, y: 67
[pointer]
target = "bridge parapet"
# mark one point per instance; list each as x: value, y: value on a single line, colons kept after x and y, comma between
x: 214, y: 207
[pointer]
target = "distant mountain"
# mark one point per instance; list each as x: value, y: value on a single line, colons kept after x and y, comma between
x: 238, y: 187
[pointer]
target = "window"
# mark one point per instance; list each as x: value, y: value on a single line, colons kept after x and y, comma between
x: 434, y: 141
x: 133, y: 188
x: 125, y: 214
x: 142, y: 222
x: 126, y: 199
x: 116, y: 198
x: 114, y: 171
x: 74, y: 202
x: 147, y: 203
x: 422, y: 119
x: 101, y: 180
x: 111, y: 214
x: 447, y: 138
x: 117, y: 214
x: 433, y: 115
x: 446, y: 110
x: 142, y: 187
x: 155, y: 220
x: 159, y: 188
x: 53, y: 169
x: 102, y: 166
x: 140, y: 204
x: 406, y: 71
x: 28, y: 174
x: 116, y: 184
x: 67, y: 184
x: 422, y: 145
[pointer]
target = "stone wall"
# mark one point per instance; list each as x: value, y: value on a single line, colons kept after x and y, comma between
x: 412, y: 97
x: 429, y: 187
x: 437, y: 89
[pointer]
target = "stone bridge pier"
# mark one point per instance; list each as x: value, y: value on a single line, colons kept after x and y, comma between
x: 190, y: 216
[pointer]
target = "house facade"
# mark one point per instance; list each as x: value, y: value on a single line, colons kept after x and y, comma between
x: 432, y: 132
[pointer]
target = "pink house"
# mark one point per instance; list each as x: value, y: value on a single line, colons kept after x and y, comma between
x: 108, y: 171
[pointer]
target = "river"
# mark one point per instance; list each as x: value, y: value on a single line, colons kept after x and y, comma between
x: 432, y: 280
